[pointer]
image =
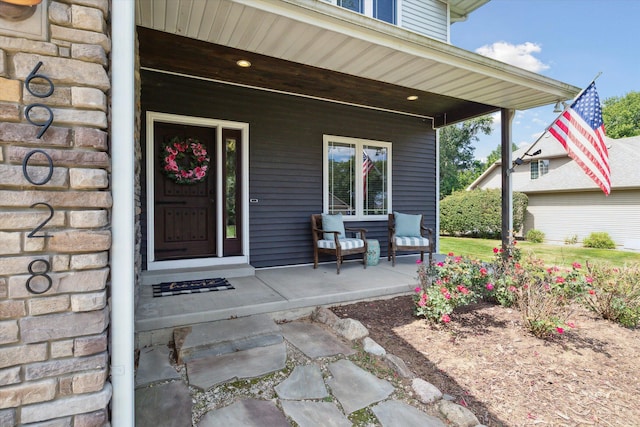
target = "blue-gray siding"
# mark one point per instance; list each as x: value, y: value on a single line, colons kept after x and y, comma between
x: 285, y: 157
x: 428, y: 17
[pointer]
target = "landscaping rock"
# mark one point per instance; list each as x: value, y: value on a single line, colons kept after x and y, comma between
x: 458, y: 415
x: 324, y: 315
x: 398, y: 365
x: 370, y: 346
x: 350, y: 329
x: 427, y: 392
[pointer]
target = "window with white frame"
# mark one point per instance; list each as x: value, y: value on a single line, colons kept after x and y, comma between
x: 384, y: 10
x: 539, y: 168
x: 357, y: 177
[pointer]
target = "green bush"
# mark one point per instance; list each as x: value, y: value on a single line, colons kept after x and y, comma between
x: 535, y: 236
x: 599, y: 240
x: 478, y: 213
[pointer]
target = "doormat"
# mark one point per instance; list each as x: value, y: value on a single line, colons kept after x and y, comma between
x: 190, y: 287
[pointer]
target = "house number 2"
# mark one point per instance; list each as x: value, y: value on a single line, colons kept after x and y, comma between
x: 39, y: 268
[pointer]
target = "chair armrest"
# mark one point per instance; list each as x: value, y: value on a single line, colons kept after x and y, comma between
x: 429, y: 235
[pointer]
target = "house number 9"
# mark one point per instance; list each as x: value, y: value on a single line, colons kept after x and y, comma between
x: 39, y: 268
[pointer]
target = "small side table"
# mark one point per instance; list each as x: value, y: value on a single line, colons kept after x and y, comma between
x: 373, y: 252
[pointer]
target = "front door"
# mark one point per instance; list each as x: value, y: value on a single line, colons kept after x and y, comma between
x: 184, y: 213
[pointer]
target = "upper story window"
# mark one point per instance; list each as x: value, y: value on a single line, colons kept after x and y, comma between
x: 384, y: 10
x: 357, y: 177
x: 539, y: 168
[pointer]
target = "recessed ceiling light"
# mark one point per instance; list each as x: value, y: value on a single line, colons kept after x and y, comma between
x: 243, y: 63
x: 412, y: 97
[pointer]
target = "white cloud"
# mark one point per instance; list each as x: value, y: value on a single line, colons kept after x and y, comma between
x: 520, y: 55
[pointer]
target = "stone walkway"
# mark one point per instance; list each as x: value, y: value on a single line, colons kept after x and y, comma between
x: 324, y: 389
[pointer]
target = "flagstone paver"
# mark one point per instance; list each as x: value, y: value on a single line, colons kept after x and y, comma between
x: 210, y: 371
x: 305, y: 382
x: 314, y: 341
x: 393, y: 413
x: 356, y: 388
x: 154, y: 366
x: 246, y: 413
x: 166, y: 405
x: 314, y: 414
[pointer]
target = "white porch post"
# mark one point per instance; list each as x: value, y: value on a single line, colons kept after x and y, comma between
x: 506, y: 117
x: 123, y: 212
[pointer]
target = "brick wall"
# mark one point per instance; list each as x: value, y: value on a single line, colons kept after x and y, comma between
x: 53, y: 345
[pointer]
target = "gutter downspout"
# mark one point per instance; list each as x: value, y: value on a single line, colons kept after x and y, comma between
x: 122, y: 212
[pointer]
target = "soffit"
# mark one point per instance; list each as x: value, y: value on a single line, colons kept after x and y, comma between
x: 316, y: 37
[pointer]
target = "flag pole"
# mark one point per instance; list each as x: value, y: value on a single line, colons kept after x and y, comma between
x: 526, y: 153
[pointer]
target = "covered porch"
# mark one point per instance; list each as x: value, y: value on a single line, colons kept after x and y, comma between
x: 283, y: 293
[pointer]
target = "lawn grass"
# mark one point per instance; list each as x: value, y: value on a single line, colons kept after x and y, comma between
x: 561, y: 255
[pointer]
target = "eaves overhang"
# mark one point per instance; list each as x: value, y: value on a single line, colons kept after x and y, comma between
x: 316, y: 42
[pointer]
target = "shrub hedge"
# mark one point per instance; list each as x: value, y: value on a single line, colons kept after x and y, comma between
x: 478, y: 213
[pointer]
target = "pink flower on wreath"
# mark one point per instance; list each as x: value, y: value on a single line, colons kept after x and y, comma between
x: 445, y: 318
x: 560, y: 330
x: 199, y: 172
x: 489, y: 286
x: 576, y: 265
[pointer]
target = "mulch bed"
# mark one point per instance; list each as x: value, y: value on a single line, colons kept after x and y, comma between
x: 590, y: 375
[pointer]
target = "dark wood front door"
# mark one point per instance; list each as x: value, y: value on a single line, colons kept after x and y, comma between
x: 184, y: 214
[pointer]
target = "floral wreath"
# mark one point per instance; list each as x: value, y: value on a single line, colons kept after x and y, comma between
x: 185, y: 161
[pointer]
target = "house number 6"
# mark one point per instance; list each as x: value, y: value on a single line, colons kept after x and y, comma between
x: 43, y: 264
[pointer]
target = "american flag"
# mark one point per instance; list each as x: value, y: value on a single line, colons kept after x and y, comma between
x: 580, y: 130
x: 367, y: 165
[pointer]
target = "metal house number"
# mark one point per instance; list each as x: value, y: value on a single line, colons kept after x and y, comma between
x: 39, y: 268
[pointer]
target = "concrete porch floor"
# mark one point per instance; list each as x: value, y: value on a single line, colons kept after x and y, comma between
x: 284, y: 293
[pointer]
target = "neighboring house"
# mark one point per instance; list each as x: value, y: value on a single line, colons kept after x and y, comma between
x: 565, y: 203
x: 287, y: 97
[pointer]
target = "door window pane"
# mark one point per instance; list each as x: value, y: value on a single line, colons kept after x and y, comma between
x: 230, y: 202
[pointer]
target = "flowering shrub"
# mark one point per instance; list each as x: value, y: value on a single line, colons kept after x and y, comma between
x: 614, y: 293
x: 447, y: 285
x: 184, y: 161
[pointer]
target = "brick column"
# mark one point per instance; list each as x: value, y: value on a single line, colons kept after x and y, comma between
x: 53, y: 345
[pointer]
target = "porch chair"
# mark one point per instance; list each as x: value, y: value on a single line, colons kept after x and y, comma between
x: 329, y: 237
x: 408, y: 233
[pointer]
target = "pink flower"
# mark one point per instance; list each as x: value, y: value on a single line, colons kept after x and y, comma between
x: 417, y: 289
x: 490, y: 286
x: 571, y: 325
x: 560, y: 330
x: 447, y: 296
x: 483, y: 271
x: 496, y: 250
x: 512, y: 289
x: 445, y: 318
x: 450, y: 254
x: 440, y: 264
x: 457, y: 259
x: 589, y: 279
x: 422, y: 303
x: 592, y: 292
x: 418, y: 261
x: 559, y: 279
x: 576, y: 265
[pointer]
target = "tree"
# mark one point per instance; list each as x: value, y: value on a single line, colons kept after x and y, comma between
x: 457, y: 162
x: 621, y: 115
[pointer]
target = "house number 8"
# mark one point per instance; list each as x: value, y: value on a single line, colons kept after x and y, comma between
x: 45, y: 266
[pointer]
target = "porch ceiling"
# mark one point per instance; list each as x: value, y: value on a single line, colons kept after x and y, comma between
x: 317, y: 49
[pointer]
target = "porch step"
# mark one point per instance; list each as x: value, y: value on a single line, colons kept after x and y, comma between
x: 152, y: 277
x: 225, y: 336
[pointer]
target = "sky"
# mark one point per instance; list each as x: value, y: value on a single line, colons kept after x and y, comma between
x: 567, y: 40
